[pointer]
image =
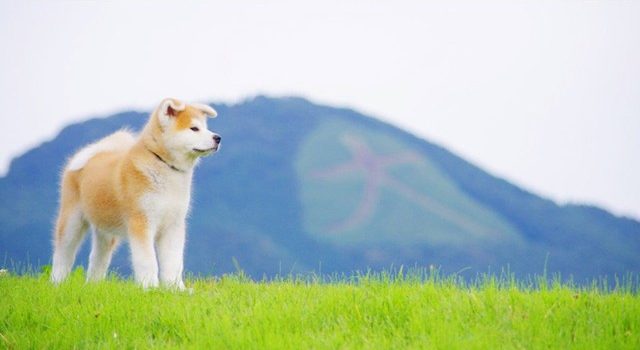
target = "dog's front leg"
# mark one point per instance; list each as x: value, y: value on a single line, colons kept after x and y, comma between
x: 143, y: 254
x: 170, y: 255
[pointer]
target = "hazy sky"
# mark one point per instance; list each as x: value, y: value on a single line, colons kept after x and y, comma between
x: 543, y: 93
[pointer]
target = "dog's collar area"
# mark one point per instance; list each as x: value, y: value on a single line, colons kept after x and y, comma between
x: 165, y: 162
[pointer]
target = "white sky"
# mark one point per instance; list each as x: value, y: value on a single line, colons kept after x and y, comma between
x: 543, y: 93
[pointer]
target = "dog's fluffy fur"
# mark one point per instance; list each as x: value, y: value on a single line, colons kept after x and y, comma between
x: 138, y: 188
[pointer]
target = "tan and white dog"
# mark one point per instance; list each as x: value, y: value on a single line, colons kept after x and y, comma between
x: 135, y: 188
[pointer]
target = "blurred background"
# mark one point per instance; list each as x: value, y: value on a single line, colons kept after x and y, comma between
x: 463, y: 135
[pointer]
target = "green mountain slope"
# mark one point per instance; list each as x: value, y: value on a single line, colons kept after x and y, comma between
x: 360, y: 186
x: 299, y: 186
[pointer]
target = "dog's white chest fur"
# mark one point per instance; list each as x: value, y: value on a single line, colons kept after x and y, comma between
x: 167, y: 202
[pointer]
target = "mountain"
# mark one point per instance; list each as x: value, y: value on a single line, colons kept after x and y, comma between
x: 304, y: 187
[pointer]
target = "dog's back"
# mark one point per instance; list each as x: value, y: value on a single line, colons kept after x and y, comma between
x: 118, y: 141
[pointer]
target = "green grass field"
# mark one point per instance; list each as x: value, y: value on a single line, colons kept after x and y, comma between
x: 367, y: 311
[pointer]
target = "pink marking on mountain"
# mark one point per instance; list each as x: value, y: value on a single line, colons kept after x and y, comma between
x: 375, y: 169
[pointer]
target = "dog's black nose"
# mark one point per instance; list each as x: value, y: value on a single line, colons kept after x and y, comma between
x: 217, y: 138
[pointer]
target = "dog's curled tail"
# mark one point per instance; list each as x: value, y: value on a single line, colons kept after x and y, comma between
x: 120, y: 140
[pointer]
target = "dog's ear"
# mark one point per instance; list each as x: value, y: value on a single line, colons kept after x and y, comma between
x: 206, y: 109
x: 169, y: 108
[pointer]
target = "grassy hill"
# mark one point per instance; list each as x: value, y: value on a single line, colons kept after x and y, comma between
x: 372, y: 311
x: 303, y: 187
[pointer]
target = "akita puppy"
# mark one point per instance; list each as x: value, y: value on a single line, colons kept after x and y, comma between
x: 137, y: 188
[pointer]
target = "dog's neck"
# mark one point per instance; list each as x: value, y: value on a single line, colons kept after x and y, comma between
x: 156, y: 149
x: 171, y: 166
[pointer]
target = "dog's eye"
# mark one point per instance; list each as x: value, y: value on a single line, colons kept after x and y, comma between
x: 195, y: 128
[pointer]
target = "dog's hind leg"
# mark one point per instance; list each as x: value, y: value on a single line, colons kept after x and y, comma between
x: 70, y: 230
x: 71, y: 227
x: 103, y: 245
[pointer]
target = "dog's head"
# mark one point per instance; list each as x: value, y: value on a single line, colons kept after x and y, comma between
x: 184, y: 128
